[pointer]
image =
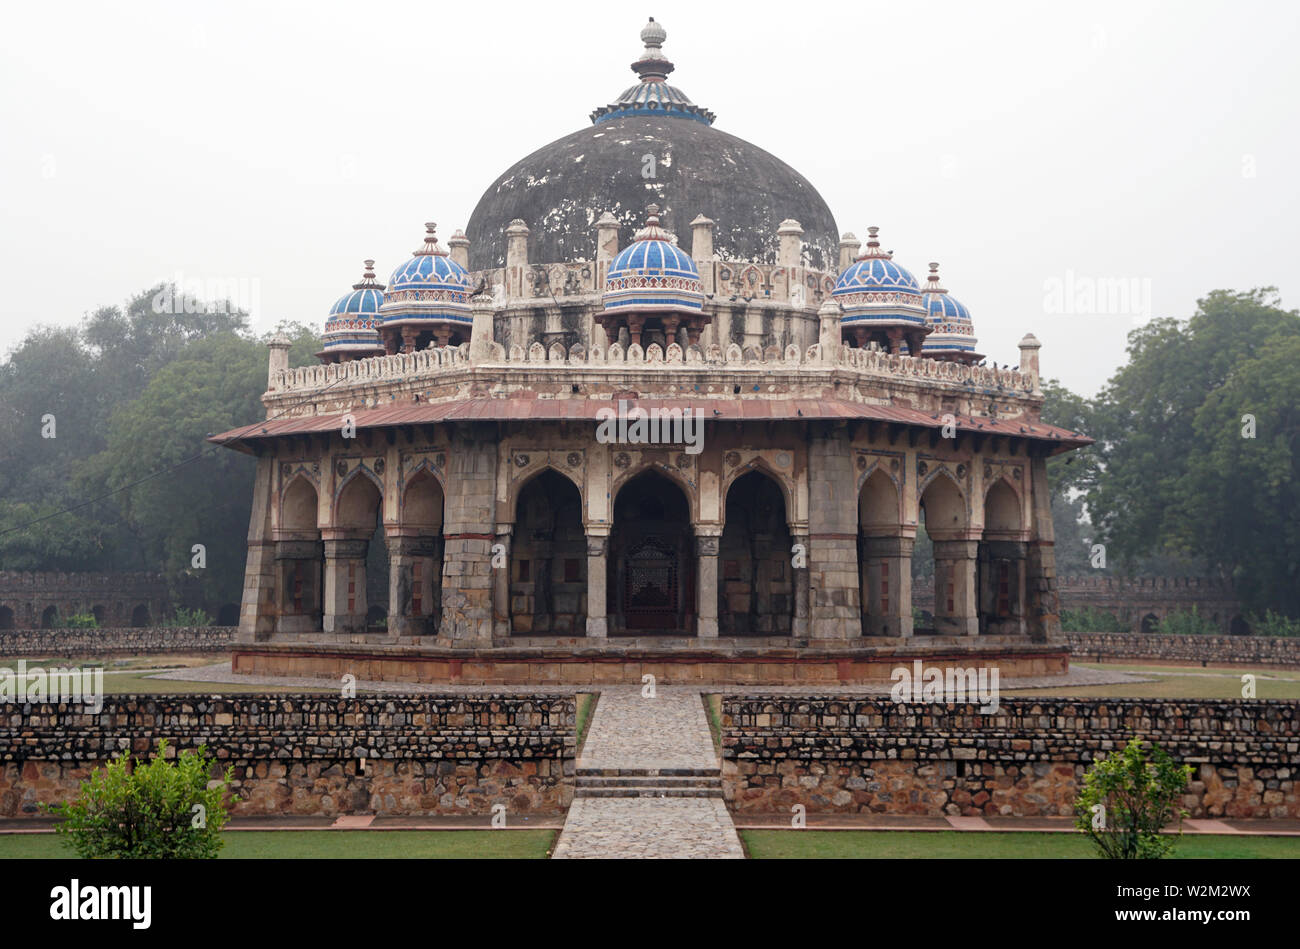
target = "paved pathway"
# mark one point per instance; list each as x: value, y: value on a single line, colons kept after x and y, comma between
x: 638, y: 752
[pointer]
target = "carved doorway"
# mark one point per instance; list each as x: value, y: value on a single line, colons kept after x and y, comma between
x: 652, y: 585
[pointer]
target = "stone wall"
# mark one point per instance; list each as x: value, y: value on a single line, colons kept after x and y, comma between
x: 129, y: 641
x: 34, y: 599
x: 848, y: 754
x: 312, y: 754
x: 1258, y: 650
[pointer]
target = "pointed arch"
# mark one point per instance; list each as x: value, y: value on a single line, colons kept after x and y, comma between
x: 763, y: 466
x: 943, y: 504
x: 517, y: 488
x: 422, y: 501
x: 672, y: 474
x: 548, y: 557
x: 880, y: 510
x: 299, y: 505
x: 1002, y: 509
x: 756, y: 584
x: 358, y: 500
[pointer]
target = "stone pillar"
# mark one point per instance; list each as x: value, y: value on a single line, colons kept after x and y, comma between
x: 1042, y: 600
x: 833, y: 550
x: 467, y: 549
x: 480, y: 337
x: 412, y: 606
x: 279, y: 361
x: 887, y: 582
x: 849, y: 248
x: 297, y: 606
x: 458, y: 244
x: 790, y: 252
x: 993, y: 556
x: 1029, y: 347
x: 345, y: 584
x: 258, y: 607
x: 702, y: 250
x: 706, y: 584
x: 955, y: 596
x: 828, y: 338
x: 799, y: 625
x: 501, y: 564
x: 597, y: 564
x: 606, y: 237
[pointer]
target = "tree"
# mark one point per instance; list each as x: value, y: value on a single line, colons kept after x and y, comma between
x: 161, y: 810
x: 1127, y: 798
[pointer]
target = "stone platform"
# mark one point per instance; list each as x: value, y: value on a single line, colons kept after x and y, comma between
x: 672, y: 661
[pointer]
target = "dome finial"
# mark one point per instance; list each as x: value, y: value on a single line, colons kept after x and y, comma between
x: 653, y: 66
x: 653, y: 231
x: 873, y: 246
x: 932, y: 284
x: 368, y: 281
x: 431, y: 247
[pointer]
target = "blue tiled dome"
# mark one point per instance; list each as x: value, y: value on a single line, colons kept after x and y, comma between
x: 952, y: 333
x: 874, y: 289
x: 352, y: 324
x: 652, y: 273
x: 428, y: 288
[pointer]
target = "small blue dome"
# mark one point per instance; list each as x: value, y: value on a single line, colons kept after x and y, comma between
x: 874, y: 289
x: 428, y: 288
x: 652, y: 273
x: 353, y: 323
x: 952, y: 332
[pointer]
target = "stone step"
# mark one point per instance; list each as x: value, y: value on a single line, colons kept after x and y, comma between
x: 641, y: 791
x: 647, y: 781
x: 706, y: 772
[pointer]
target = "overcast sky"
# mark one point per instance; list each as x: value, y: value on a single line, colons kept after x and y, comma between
x: 1040, y: 152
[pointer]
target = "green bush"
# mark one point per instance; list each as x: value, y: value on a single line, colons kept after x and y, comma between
x: 1091, y: 620
x: 163, y: 809
x: 1138, y: 795
x: 186, y: 617
x: 80, y: 621
x: 1187, y: 623
x: 1273, y: 624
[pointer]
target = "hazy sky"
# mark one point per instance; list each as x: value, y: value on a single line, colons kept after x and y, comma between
x: 1043, y: 153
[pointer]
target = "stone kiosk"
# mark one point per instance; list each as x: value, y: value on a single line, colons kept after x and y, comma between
x: 589, y: 452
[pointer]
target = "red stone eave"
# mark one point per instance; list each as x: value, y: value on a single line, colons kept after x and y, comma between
x: 585, y: 410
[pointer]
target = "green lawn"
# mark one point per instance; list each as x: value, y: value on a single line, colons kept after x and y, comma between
x: 586, y: 705
x: 326, y: 844
x: 1178, y: 682
x: 911, y: 845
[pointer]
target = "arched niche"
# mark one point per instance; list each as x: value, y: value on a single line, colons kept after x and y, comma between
x: 548, y: 558
x: 756, y: 588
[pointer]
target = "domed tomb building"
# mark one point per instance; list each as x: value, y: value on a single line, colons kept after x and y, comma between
x: 648, y: 413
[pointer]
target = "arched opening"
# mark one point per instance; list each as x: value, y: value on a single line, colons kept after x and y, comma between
x: 6, y: 617
x: 356, y: 558
x: 756, y: 588
x: 1000, y: 567
x: 1238, y: 626
x: 548, y: 559
x: 50, y: 617
x: 884, y: 560
x: 652, y: 585
x: 300, y: 560
x: 228, y: 614
x: 140, y: 616
x: 99, y: 613
x: 415, y: 550
x: 944, y: 519
x: 1150, y: 623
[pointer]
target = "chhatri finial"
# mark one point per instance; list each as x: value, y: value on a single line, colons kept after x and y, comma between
x: 652, y: 230
x: 653, y: 66
x: 873, y: 246
x: 431, y: 247
x: 368, y: 281
x: 932, y: 284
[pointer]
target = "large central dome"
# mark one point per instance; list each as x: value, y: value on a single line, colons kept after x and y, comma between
x: 652, y: 144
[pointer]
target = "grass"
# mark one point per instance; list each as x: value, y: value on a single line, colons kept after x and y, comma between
x: 984, y: 845
x: 330, y: 844
x: 713, y: 707
x: 1178, y: 682
x: 586, y: 706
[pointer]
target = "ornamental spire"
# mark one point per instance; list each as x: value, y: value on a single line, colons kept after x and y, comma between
x: 652, y: 230
x: 873, y: 247
x: 932, y: 284
x: 653, y: 66
x: 368, y: 281
x: 652, y: 95
x: 431, y: 248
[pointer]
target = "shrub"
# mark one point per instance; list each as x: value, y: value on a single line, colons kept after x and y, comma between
x: 186, y: 617
x: 1138, y: 796
x: 1273, y: 624
x: 1091, y: 620
x: 1187, y: 623
x: 162, y: 809
x: 81, y: 621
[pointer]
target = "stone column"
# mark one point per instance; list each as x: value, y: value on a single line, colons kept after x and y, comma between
x: 799, y: 625
x: 955, y: 596
x: 501, y: 564
x: 1042, y: 600
x: 260, y: 602
x: 297, y: 561
x: 467, y: 550
x: 835, y: 611
x: 597, y: 564
x: 849, y: 248
x: 790, y: 251
x: 993, y: 554
x: 706, y: 585
x: 459, y: 248
x: 412, y: 609
x: 345, y: 584
x: 887, y: 581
